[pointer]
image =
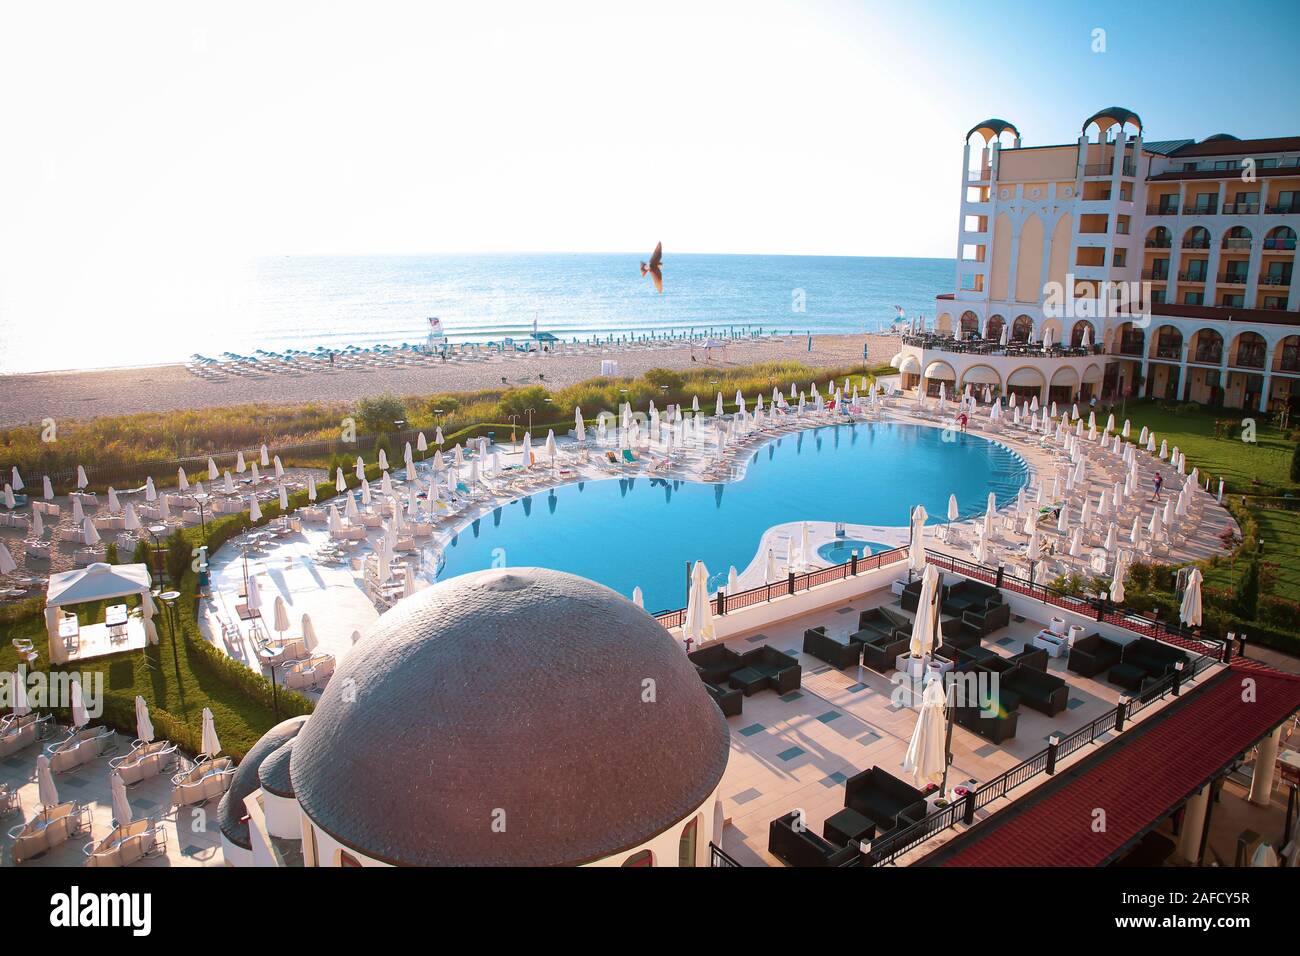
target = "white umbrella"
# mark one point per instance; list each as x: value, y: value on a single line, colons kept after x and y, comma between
x: 1063, y: 519
x: 916, y: 551
x: 78, y: 515
x: 989, y: 510
x: 1076, y: 541
x: 699, y: 612
x: 771, y: 572
x: 254, y: 596
x: 182, y: 482
x: 47, y: 792
x: 1032, y: 552
x: 525, y: 456
x: 7, y: 563
x: 1117, y: 584
x: 340, y: 485
x: 143, y: 725
x: 360, y: 468
x: 89, y: 533
x: 113, y: 503
x: 212, y: 470
x: 717, y: 409
x: 383, y: 462
x: 637, y: 597
x: 805, y: 547
x: 281, y: 616
x: 210, y: 743
x: 38, y: 525
x: 265, y: 458
x: 82, y: 480
x: 1135, y: 535
x: 150, y: 492
x: 1264, y: 856
x: 284, y: 497
x: 927, y: 614
x: 732, y: 577
x: 240, y: 465
x: 309, y: 640
x: 1189, y: 612
x: 953, y: 511
x: 551, y: 449
x: 10, y: 501
x: 254, y: 510
x: 16, y: 479
x: 121, y: 806
x: 47, y: 488
x: 79, y: 716
x: 130, y: 520
x: 927, y: 755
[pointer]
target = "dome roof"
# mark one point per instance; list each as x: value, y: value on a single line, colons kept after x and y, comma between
x: 1222, y: 138
x: 502, y: 718
x: 992, y: 129
x: 1113, y: 116
x: 274, y: 772
x: 231, y: 811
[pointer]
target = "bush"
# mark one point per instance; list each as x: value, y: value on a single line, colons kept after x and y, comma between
x: 380, y: 413
x: 517, y: 401
x: 1295, y: 464
x: 666, y: 378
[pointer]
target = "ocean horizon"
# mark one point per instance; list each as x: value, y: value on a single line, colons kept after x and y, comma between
x: 303, y: 302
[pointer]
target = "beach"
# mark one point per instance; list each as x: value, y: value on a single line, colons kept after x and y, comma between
x: 72, y: 395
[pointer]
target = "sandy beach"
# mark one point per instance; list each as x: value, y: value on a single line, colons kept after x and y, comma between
x: 63, y: 396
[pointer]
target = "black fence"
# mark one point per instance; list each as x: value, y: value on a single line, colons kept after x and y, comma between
x: 719, y: 856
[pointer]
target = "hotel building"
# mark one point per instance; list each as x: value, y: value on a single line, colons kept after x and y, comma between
x: 1203, y: 233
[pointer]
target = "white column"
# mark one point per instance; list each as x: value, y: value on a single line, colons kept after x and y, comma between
x: 1252, y: 297
x: 1261, y: 782
x: 1189, y: 837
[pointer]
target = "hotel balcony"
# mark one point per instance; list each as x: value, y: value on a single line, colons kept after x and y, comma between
x: 1231, y: 278
x: 1191, y: 277
x: 1155, y: 275
x: 1210, y: 209
x: 1159, y: 243
x: 1240, y: 208
x: 1209, y: 355
x: 1236, y: 245
x: 1282, y: 280
x: 1169, y: 352
x: 1162, y: 210
x: 1250, y: 357
x: 1106, y: 169
x: 1196, y: 243
x: 1282, y: 244
x: 1289, y: 210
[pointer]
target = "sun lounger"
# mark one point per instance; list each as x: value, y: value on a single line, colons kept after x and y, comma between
x: 127, y: 845
x: 78, y: 748
x: 20, y: 733
x: 311, y: 672
x: 52, y: 827
x: 208, y: 778
x: 145, y: 760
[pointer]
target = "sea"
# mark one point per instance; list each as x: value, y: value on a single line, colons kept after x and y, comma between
x: 305, y: 302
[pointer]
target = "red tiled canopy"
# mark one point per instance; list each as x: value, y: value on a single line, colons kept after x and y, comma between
x: 1137, y: 779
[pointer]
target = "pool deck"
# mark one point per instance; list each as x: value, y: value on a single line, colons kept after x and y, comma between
x: 332, y: 593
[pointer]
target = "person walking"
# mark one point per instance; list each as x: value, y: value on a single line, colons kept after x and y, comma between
x: 1159, y: 483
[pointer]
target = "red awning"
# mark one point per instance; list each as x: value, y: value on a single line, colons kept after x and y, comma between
x: 1136, y: 780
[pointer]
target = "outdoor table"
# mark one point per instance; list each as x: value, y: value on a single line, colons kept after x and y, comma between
x: 848, y: 826
x: 115, y: 618
x: 247, y: 614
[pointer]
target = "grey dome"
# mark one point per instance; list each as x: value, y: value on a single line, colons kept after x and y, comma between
x: 274, y: 772
x: 512, y: 695
x: 231, y: 811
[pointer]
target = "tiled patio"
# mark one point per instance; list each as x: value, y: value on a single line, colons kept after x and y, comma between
x: 798, y: 749
x: 193, y: 835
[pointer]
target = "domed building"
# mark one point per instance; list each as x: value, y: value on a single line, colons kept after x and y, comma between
x: 511, y: 717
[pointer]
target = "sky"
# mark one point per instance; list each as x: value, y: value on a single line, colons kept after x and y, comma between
x: 143, y: 144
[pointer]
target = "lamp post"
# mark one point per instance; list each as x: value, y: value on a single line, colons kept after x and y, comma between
x: 169, y: 599
x: 268, y: 657
x: 201, y: 499
x: 159, y: 567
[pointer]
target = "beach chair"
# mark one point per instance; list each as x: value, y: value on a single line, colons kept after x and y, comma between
x: 50, y: 828
x: 629, y: 457
x: 208, y: 778
x: 145, y: 760
x: 19, y: 733
x: 78, y: 748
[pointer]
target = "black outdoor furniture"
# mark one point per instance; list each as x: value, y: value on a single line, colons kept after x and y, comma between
x: 883, y: 634
x: 766, y: 667
x: 958, y: 635
x: 996, y: 722
x: 882, y: 797
x: 912, y: 595
x: 833, y: 651
x: 968, y: 595
x: 730, y: 702
x: 988, y: 618
x: 848, y: 826
x: 715, y: 663
x: 1045, y: 693
x: 794, y: 844
x: 1035, y: 657
x: 1091, y: 655
x: 1154, y: 657
x: 1128, y: 676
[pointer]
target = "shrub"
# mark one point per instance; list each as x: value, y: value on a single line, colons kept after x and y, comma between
x: 666, y: 378
x: 517, y: 401
x: 380, y: 413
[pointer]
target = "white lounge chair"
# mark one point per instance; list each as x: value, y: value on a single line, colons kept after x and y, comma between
x: 127, y: 845
x: 208, y: 778
x: 51, y: 827
x: 79, y: 747
x: 19, y: 733
x: 145, y: 760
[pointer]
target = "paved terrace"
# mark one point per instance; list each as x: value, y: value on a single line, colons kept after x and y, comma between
x: 797, y: 750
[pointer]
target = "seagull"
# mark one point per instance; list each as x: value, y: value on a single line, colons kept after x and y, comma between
x: 653, y: 268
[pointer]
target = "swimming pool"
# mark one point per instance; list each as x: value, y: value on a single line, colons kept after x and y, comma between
x: 839, y: 550
x: 641, y: 531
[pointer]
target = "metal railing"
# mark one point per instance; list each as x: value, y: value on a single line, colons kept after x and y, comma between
x: 722, y: 603
x: 719, y: 857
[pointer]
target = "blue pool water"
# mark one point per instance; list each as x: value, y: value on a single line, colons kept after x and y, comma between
x: 839, y: 551
x: 641, y: 531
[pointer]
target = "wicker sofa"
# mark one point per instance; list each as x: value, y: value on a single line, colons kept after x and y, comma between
x: 795, y: 844
x: 884, y: 634
x: 1091, y: 655
x: 883, y: 798
x: 834, y: 652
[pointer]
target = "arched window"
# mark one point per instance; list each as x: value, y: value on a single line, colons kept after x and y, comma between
x: 686, y: 845
x: 970, y: 324
x: 1159, y: 238
x: 1197, y: 238
x: 640, y: 858
x: 347, y: 859
x: 1022, y: 328
x: 995, y: 326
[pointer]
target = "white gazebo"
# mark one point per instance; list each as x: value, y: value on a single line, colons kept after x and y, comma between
x: 121, y: 630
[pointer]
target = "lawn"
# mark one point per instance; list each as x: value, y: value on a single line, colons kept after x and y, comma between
x: 1267, y: 460
x: 1280, y: 531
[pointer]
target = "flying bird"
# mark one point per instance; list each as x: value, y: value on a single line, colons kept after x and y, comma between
x: 653, y: 267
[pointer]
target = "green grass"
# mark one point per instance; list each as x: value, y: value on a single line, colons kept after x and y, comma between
x: 1280, y: 531
x: 1247, y: 467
